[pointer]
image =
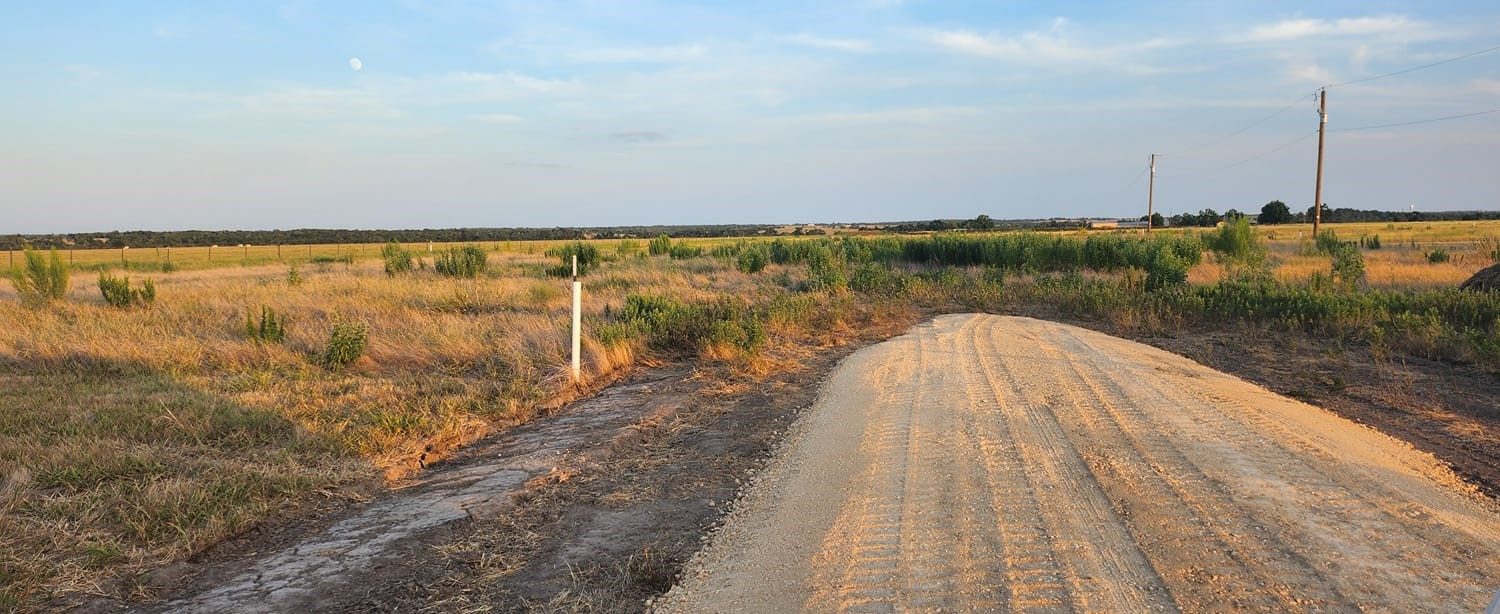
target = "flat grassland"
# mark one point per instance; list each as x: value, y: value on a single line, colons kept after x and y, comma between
x: 130, y: 438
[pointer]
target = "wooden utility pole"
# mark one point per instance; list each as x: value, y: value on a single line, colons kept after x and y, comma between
x: 1151, y: 194
x: 1318, y: 189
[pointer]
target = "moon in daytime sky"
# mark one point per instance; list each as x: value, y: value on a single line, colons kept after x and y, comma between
x: 355, y: 63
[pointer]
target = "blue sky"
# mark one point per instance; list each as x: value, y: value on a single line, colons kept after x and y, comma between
x: 173, y: 115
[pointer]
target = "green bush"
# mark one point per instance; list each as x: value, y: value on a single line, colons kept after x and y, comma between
x: 1234, y: 241
x: 345, y: 259
x: 1370, y: 242
x: 670, y: 325
x: 41, y: 280
x: 293, y: 276
x: 681, y: 251
x: 1329, y: 243
x: 1438, y: 255
x: 659, y: 246
x: 346, y: 343
x: 1168, y: 270
x: 271, y: 328
x: 1348, y: 266
x: 118, y: 293
x: 752, y: 259
x: 397, y: 259
x: 468, y: 261
x: 588, y: 258
x: 168, y: 267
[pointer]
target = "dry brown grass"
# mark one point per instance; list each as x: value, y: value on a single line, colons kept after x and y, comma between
x: 132, y: 438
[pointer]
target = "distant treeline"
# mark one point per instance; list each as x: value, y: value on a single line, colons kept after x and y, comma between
x: 320, y: 236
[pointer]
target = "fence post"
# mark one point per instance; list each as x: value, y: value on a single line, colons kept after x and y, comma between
x: 577, y: 320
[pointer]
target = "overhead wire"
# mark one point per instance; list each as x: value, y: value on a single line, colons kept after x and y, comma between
x: 1242, y: 130
x: 1417, y: 68
x: 1253, y: 158
x: 1415, y: 122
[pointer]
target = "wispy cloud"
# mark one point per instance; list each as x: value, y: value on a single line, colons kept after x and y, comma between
x: 638, y: 136
x: 518, y: 80
x: 820, y: 42
x: 648, y: 55
x: 1043, y: 46
x: 1292, y: 29
x: 83, y: 72
x: 497, y: 118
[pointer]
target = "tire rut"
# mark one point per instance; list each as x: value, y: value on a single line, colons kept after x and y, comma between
x: 1010, y: 464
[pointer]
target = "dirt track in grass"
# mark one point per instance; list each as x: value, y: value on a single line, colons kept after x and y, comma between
x: 999, y: 463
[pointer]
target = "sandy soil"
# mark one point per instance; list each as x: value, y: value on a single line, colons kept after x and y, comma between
x: 1000, y: 463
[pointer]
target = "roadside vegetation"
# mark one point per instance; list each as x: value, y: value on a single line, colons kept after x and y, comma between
x: 134, y: 436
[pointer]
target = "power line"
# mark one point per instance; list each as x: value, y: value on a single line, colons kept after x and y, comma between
x: 1236, y: 133
x: 1245, y: 160
x: 1420, y: 121
x: 1417, y: 68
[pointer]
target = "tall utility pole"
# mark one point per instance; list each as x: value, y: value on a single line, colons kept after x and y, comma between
x: 1318, y: 190
x: 1151, y: 194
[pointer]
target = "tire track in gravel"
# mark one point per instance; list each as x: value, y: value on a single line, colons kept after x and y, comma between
x: 1008, y: 464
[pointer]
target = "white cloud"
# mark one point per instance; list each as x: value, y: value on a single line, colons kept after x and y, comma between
x: 1050, y: 46
x: 1309, y: 72
x: 1292, y: 29
x: 497, y: 118
x: 84, y: 72
x: 840, y: 44
x: 650, y: 55
x: 518, y: 80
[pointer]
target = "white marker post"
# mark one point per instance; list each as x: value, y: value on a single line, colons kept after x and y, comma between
x: 577, y: 320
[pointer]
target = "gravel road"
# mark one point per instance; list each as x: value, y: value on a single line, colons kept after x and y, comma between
x: 987, y: 463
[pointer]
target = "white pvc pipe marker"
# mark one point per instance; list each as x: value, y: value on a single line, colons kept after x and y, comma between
x: 577, y: 320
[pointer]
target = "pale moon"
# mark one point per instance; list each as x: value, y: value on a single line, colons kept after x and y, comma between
x: 355, y: 63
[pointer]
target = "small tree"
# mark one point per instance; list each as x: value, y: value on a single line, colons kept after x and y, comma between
x: 1348, y: 265
x: 659, y: 246
x: 588, y: 258
x: 1274, y: 212
x: 397, y: 258
x: 346, y: 343
x: 983, y: 222
x: 270, y: 329
x: 753, y: 259
x: 118, y: 293
x: 42, y: 280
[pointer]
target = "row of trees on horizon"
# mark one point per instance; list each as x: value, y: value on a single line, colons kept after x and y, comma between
x: 1274, y: 212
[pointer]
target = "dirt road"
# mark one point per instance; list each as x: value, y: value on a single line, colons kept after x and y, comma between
x: 997, y: 463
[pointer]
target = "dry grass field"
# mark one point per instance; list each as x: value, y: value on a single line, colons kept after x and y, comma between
x: 133, y: 437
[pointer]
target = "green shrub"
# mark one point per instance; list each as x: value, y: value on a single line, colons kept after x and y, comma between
x: 397, y: 259
x: 293, y: 276
x: 1438, y: 255
x: 1370, y: 242
x: 659, y: 246
x: 270, y: 329
x: 346, y: 343
x: 1329, y: 243
x: 873, y: 278
x: 627, y: 247
x: 41, y: 280
x: 1168, y: 270
x: 1234, y: 241
x: 752, y: 260
x: 826, y: 271
x: 345, y: 259
x: 681, y: 251
x: 118, y: 293
x: 168, y: 267
x: 468, y: 261
x: 1348, y: 266
x: 671, y: 325
x: 588, y: 258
